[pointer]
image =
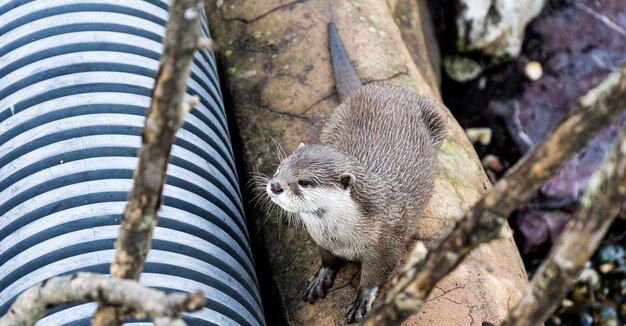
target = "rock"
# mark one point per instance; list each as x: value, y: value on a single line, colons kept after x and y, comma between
x: 586, y: 319
x: 480, y: 135
x: 494, y: 27
x: 462, y: 69
x: 488, y: 32
x: 589, y: 276
x: 610, y: 253
x: 607, y: 316
x: 575, y: 58
x: 606, y: 268
x: 533, y: 70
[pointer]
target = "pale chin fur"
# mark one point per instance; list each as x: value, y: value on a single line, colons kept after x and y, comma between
x: 325, y: 211
x: 282, y: 200
x: 339, y: 216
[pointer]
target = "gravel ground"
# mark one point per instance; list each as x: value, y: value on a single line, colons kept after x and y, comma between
x: 575, y: 44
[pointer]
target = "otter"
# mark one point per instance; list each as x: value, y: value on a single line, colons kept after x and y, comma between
x: 361, y: 189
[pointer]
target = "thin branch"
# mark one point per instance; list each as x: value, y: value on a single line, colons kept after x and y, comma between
x: 604, y: 19
x: 582, y: 235
x: 33, y: 303
x: 169, y: 321
x: 205, y: 43
x: 163, y: 119
x: 188, y: 104
x: 484, y: 221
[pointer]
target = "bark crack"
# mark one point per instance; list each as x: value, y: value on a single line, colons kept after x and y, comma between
x: 348, y: 283
x: 445, y: 292
x: 248, y: 21
x: 398, y: 74
x: 469, y: 313
x: 319, y: 101
x: 287, y: 114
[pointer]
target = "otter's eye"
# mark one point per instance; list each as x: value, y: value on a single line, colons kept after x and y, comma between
x: 305, y: 183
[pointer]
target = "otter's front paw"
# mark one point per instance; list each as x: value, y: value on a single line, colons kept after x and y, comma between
x: 361, y: 304
x: 319, y: 284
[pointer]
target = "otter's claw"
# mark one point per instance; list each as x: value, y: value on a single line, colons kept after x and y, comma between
x: 361, y: 304
x: 319, y: 284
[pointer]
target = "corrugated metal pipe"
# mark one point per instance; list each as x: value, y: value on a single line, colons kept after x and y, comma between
x: 75, y: 83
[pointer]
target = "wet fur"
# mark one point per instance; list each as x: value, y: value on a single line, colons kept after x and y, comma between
x: 370, y: 178
x: 395, y: 135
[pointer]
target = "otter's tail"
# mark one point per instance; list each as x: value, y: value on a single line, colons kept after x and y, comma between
x: 345, y: 76
x: 435, y: 118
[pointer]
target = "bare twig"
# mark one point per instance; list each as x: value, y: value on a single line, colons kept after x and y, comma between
x: 582, y: 235
x: 604, y: 19
x: 205, y: 43
x: 162, y: 120
x: 33, y: 303
x: 190, y: 103
x: 484, y: 221
x: 169, y: 321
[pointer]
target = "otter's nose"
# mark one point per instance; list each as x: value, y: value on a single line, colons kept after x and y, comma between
x: 276, y: 188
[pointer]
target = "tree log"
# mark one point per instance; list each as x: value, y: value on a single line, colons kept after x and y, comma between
x: 277, y: 73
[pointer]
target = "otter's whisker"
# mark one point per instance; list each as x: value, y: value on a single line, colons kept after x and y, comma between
x: 280, y: 152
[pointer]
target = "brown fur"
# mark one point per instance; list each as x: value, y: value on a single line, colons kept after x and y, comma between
x: 361, y: 190
x: 395, y: 134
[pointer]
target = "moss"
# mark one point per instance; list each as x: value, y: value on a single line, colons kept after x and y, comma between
x: 274, y: 87
x: 266, y: 133
x: 244, y: 71
x: 269, y: 218
x: 290, y: 233
x: 263, y: 148
x: 462, y: 69
x: 457, y: 169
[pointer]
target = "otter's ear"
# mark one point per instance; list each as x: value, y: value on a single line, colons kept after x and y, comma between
x: 347, y: 180
x: 300, y: 146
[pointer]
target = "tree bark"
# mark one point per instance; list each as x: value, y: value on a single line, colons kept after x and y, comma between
x: 415, y: 24
x: 163, y: 119
x: 277, y: 73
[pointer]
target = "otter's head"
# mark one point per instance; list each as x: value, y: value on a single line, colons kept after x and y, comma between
x: 312, y: 179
